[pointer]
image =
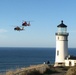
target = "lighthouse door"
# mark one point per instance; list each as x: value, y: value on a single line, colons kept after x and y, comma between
x: 70, y: 63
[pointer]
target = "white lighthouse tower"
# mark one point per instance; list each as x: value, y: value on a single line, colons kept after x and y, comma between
x: 61, y: 44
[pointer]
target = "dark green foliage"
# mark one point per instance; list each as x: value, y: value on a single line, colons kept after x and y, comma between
x: 49, y: 71
x: 34, y: 72
x: 65, y: 68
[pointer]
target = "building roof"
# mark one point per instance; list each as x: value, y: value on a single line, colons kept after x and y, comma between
x: 62, y: 25
x: 71, y: 57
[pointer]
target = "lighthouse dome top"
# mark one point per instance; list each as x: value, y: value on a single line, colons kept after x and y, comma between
x: 62, y: 25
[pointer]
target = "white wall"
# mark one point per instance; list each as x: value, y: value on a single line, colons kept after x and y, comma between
x: 68, y: 61
x: 62, y: 47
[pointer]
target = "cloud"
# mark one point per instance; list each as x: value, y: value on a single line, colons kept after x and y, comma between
x: 3, y: 30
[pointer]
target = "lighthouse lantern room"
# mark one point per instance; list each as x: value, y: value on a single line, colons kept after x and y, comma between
x: 61, y: 44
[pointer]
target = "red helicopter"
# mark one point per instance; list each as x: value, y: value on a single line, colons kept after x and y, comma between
x: 25, y: 23
x: 18, y: 28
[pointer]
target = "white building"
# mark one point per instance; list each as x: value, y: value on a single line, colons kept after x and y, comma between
x: 70, y: 61
x: 62, y: 58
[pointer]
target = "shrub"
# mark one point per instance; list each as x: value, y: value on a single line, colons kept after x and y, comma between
x: 50, y: 71
x: 34, y: 72
x: 71, y: 71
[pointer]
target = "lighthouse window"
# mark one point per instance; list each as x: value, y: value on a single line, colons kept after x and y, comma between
x: 57, y: 52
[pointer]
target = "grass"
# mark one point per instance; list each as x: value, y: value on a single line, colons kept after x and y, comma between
x: 48, y: 71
